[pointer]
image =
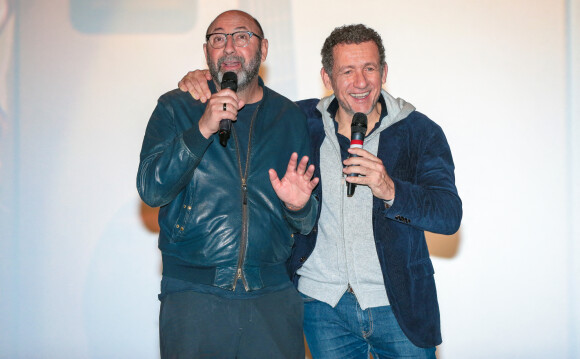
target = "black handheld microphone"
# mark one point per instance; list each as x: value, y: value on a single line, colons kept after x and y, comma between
x: 358, y: 130
x: 229, y: 81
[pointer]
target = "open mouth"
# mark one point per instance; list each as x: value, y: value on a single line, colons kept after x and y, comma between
x: 360, y: 95
x: 232, y: 64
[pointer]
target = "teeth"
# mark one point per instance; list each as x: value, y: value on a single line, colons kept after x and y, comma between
x: 360, y: 95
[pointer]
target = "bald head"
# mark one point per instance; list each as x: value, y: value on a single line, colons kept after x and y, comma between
x: 243, y: 59
x: 235, y: 16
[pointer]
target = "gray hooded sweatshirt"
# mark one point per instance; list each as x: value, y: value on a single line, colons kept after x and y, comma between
x: 345, y: 253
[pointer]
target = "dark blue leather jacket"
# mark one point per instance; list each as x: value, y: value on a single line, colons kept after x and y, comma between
x: 416, y: 155
x: 220, y: 222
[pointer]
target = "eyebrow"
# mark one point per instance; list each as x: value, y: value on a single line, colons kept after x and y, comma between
x: 366, y: 64
x: 239, y: 28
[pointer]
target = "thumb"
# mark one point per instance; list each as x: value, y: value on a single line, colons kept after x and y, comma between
x: 274, y: 178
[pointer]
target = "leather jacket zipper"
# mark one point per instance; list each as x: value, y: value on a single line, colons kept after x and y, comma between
x: 244, y: 190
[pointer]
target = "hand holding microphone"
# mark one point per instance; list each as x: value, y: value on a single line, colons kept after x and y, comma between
x: 222, y: 105
x: 370, y: 167
x: 358, y: 130
x: 229, y: 81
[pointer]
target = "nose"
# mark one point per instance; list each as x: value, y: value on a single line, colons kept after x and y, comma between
x: 360, y: 80
x: 229, y: 48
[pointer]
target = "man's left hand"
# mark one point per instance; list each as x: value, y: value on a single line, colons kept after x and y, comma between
x: 295, y: 187
x: 374, y: 174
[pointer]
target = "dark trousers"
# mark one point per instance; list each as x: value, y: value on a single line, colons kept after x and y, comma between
x: 200, y: 325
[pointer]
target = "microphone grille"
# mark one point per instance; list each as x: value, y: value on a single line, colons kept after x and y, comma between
x: 359, y: 121
x: 230, y: 81
x: 230, y: 76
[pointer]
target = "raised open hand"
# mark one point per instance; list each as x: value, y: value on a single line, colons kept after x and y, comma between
x: 295, y: 187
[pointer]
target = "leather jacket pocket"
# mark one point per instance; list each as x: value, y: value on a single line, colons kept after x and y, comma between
x: 180, y: 225
x: 183, y: 220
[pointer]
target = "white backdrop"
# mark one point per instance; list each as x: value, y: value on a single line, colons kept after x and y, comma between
x: 79, y: 269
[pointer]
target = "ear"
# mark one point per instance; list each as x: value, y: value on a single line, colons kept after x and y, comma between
x: 264, y: 49
x: 385, y: 70
x: 205, y: 51
x: 326, y: 79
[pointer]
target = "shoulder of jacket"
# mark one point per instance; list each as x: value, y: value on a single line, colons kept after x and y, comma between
x: 177, y: 96
x: 422, y: 118
x: 418, y: 121
x: 274, y: 99
x: 308, y: 106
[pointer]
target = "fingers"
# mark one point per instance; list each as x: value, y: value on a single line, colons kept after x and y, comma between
x: 302, y: 165
x: 221, y: 106
x: 309, y: 172
x: 314, y: 182
x: 369, y: 167
x: 200, y: 91
x: 182, y: 86
x: 364, y: 153
x: 358, y: 169
x: 362, y: 166
x: 381, y: 186
x: 196, y: 83
x: 292, y: 163
x: 302, y: 169
x: 372, y: 174
x: 306, y: 173
x: 187, y: 82
x: 204, y: 88
x: 274, y: 178
x: 295, y: 188
x: 227, y: 97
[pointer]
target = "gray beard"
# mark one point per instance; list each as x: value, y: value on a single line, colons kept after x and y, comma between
x: 245, y: 75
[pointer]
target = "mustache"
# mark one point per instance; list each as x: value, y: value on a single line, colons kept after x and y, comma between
x: 230, y: 58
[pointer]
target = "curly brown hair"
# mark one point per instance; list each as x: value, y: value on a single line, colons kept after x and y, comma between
x: 350, y: 34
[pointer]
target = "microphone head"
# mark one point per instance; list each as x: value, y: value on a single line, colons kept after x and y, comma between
x: 359, y: 123
x: 230, y: 81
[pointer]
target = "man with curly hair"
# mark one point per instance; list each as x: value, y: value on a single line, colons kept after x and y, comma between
x: 364, y: 270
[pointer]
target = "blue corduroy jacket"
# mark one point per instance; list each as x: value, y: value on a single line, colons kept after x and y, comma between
x: 416, y: 155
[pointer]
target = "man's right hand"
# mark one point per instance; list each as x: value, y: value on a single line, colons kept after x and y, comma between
x: 223, y: 105
x: 196, y: 83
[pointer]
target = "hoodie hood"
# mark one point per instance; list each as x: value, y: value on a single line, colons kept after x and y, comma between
x: 397, y: 110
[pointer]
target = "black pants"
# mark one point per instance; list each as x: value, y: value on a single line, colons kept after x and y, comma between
x: 199, y: 325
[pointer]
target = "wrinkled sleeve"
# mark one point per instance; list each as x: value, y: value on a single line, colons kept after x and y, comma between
x: 169, y: 156
x: 302, y: 221
x: 430, y: 202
